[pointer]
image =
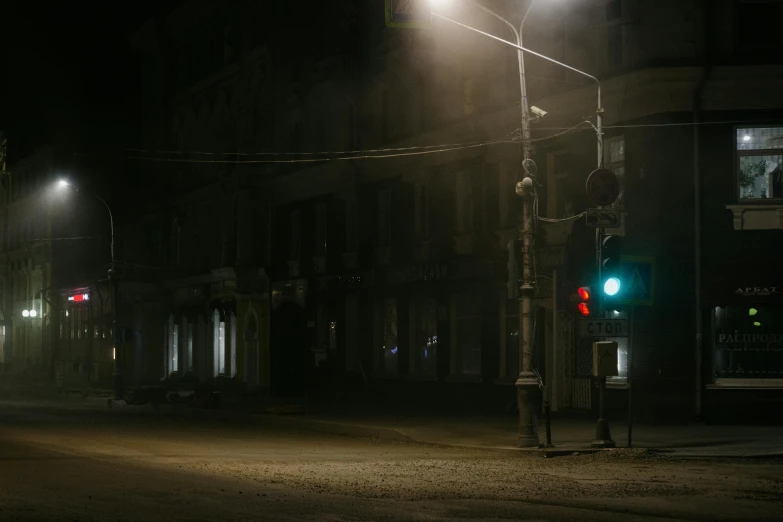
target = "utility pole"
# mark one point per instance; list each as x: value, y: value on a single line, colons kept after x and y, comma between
x: 527, y: 383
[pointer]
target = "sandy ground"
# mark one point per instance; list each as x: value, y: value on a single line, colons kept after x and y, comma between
x: 134, y: 464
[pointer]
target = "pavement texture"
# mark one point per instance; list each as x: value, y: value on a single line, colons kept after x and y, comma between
x: 80, y: 460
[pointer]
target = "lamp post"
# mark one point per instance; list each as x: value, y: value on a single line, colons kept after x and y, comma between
x: 117, y: 375
x: 527, y: 382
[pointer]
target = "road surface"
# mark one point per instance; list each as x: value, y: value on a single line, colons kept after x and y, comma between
x: 74, y: 462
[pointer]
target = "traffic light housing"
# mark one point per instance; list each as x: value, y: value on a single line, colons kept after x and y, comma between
x: 585, y: 301
x: 611, y: 284
x: 512, y: 284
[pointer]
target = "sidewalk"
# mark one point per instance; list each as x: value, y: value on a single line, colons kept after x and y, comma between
x: 568, y: 434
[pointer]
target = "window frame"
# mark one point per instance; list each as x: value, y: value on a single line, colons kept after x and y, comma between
x: 756, y: 152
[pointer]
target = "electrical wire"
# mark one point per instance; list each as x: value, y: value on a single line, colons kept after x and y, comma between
x: 319, y: 160
x: 509, y: 135
x: 570, y: 218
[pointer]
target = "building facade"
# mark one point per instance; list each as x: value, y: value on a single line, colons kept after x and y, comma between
x: 388, y: 273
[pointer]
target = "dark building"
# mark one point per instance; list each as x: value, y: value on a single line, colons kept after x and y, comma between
x: 389, y: 273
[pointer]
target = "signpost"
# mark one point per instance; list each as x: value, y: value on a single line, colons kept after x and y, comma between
x: 603, y: 217
x: 603, y: 327
x: 603, y: 187
x: 638, y: 273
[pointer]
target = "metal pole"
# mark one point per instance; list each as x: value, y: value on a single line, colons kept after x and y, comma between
x: 526, y: 383
x: 630, y: 373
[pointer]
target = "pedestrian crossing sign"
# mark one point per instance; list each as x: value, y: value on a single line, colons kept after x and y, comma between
x: 639, y: 275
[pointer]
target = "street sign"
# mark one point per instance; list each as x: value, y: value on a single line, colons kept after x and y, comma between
x: 407, y: 14
x: 603, y: 187
x: 603, y: 217
x: 638, y: 274
x: 603, y: 327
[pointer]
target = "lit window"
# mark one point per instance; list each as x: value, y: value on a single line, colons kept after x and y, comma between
x: 426, y: 312
x: 760, y: 162
x: 747, y: 342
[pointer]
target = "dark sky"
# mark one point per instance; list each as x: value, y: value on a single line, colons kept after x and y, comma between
x: 68, y: 75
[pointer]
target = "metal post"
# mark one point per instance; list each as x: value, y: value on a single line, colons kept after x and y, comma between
x: 527, y: 384
x: 630, y: 373
x: 603, y: 439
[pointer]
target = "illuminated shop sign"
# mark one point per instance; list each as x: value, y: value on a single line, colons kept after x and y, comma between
x: 79, y: 297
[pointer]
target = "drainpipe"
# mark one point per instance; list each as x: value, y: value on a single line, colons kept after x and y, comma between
x: 697, y: 221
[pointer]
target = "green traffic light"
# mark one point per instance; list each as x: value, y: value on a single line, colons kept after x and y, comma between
x: 612, y: 286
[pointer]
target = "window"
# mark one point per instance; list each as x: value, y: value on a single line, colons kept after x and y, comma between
x: 748, y: 342
x: 219, y: 344
x: 426, y: 337
x: 296, y: 236
x: 422, y: 216
x: 320, y: 230
x: 614, y: 160
x: 387, y: 339
x: 464, y: 202
x: 614, y: 10
x: 615, y: 46
x: 174, y: 348
x: 759, y: 162
x: 758, y: 24
x: 189, y: 362
x: 384, y: 218
x: 468, y: 330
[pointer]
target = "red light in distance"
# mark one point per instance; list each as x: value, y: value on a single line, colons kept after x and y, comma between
x: 584, y: 293
x: 583, y: 309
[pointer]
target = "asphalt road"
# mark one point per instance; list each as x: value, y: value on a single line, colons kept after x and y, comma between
x: 71, y: 462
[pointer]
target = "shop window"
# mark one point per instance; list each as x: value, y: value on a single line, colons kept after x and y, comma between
x: 747, y: 342
x: 759, y: 163
x: 387, y: 351
x: 219, y: 344
x: 426, y: 337
x: 468, y: 331
x: 189, y: 362
x: 173, y: 358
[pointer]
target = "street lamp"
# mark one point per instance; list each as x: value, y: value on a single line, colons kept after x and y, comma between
x: 118, y: 384
x: 527, y: 382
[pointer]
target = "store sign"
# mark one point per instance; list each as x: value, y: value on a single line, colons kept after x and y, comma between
x: 757, y: 291
x: 764, y: 338
x: 78, y: 298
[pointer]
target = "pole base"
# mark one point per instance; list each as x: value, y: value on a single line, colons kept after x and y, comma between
x: 603, y: 439
x: 528, y: 412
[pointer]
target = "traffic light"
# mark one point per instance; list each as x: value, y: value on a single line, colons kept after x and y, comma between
x: 585, y: 300
x: 611, y: 279
x: 512, y: 285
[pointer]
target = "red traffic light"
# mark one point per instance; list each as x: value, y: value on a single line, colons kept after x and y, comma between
x: 583, y: 309
x: 584, y: 293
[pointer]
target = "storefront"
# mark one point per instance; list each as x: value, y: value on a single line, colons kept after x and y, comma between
x: 745, y: 343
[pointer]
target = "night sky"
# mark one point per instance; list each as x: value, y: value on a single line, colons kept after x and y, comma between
x: 68, y: 75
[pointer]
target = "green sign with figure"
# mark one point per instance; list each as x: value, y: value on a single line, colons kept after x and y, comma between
x: 407, y: 14
x: 637, y: 275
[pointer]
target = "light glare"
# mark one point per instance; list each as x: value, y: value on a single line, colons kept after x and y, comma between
x: 612, y: 286
x: 25, y: 313
x: 33, y: 313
